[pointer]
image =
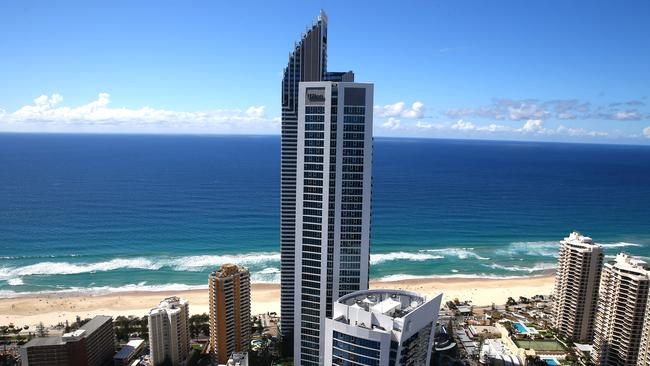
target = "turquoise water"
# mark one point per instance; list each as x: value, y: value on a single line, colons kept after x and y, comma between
x: 113, y: 213
x: 520, y: 328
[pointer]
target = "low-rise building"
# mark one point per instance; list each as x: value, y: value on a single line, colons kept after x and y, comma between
x: 129, y: 353
x: 93, y: 344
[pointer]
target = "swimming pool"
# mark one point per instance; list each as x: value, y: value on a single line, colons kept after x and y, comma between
x: 521, y: 328
x: 552, y: 363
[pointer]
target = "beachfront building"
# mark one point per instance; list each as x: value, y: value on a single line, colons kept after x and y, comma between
x: 93, y: 344
x: 307, y: 62
x: 230, y: 311
x: 621, y: 308
x: 381, y: 328
x: 577, y: 279
x: 169, y: 333
x: 334, y: 163
x: 644, y: 347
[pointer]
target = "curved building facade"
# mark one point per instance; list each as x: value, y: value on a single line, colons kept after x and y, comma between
x: 381, y: 328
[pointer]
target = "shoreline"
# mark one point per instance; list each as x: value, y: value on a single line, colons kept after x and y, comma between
x: 53, y: 308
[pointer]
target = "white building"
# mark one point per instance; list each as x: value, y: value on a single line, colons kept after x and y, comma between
x: 334, y: 162
x: 494, y: 352
x: 644, y: 347
x: 381, y: 328
x: 580, y: 263
x: 621, y: 308
x: 169, y: 333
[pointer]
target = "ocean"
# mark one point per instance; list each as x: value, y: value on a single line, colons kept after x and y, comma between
x: 111, y: 213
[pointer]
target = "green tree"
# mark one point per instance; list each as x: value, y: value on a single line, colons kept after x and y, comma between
x: 41, y: 331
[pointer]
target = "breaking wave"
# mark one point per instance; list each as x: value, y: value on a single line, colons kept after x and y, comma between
x: 538, y: 267
x: 103, y: 290
x: 460, y: 253
x: 405, y: 277
x: 620, y: 244
x: 385, y: 257
x: 190, y: 263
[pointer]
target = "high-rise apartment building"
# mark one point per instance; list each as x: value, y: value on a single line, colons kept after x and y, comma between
x: 621, y: 308
x: 169, y: 332
x: 93, y: 344
x: 644, y: 346
x: 230, y: 311
x: 332, y: 232
x: 381, y: 328
x: 307, y: 62
x: 580, y: 263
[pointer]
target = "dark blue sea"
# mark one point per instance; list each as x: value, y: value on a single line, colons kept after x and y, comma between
x: 108, y: 213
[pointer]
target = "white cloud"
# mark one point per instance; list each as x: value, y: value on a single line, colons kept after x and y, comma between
x: 416, y: 111
x: 469, y: 126
x: 46, y: 113
x: 399, y: 109
x: 533, y: 125
x: 429, y: 126
x: 625, y: 115
x: 463, y: 126
x: 256, y: 112
x: 579, y: 132
x: 392, y: 124
x: 646, y: 132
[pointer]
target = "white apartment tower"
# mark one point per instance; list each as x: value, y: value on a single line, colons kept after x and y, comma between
x: 381, y: 328
x: 644, y: 347
x: 621, y: 308
x: 333, y: 189
x: 580, y: 263
x: 169, y: 333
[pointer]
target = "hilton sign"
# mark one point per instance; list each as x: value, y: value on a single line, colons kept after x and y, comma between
x: 315, y: 95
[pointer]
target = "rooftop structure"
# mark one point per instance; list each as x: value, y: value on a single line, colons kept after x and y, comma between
x: 494, y: 352
x: 237, y: 359
x: 387, y: 327
x: 129, y: 352
x: 393, y: 303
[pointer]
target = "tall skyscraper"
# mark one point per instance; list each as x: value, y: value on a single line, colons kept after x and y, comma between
x: 332, y: 232
x: 169, y: 331
x: 382, y: 328
x: 230, y: 311
x: 580, y: 263
x: 307, y: 62
x: 621, y: 309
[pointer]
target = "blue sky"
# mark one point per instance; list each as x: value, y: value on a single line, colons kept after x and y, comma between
x: 529, y: 70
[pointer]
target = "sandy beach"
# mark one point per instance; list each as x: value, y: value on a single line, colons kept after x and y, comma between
x: 54, y: 308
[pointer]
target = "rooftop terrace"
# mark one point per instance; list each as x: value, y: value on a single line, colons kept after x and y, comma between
x: 394, y: 303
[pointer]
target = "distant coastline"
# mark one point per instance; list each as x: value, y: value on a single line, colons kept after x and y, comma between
x: 59, y: 307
